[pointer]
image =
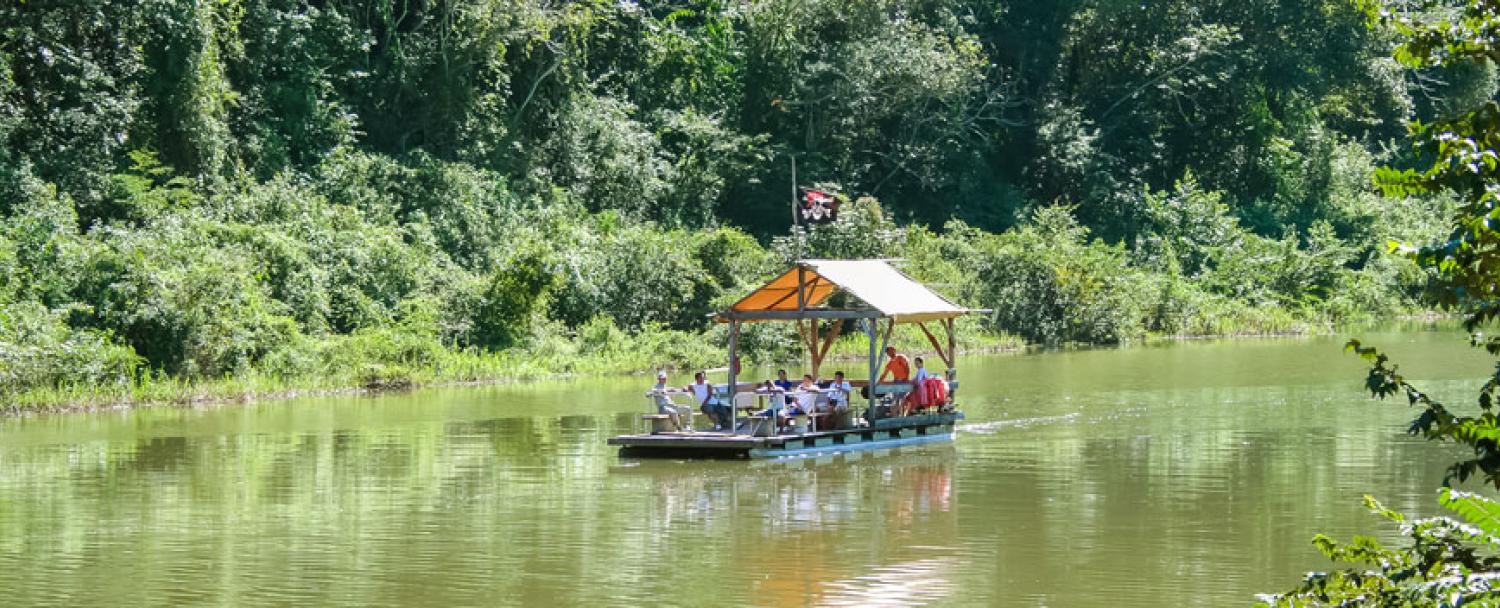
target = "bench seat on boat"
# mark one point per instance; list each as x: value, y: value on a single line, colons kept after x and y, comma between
x: 667, y: 423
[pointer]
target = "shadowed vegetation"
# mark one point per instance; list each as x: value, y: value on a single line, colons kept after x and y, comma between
x: 379, y: 192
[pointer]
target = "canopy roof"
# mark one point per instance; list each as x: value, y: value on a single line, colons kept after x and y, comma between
x: 886, y: 292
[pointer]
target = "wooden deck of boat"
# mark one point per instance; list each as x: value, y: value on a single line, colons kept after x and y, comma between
x: 719, y: 444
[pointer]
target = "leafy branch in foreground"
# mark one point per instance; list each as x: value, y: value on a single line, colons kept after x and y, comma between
x: 1481, y: 433
x: 1449, y: 562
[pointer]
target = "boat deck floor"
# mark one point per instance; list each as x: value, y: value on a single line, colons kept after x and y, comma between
x: 722, y: 444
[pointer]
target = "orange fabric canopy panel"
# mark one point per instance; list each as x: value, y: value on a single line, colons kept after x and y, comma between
x: 875, y: 282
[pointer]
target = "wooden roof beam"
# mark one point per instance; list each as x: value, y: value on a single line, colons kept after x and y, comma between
x: 792, y: 315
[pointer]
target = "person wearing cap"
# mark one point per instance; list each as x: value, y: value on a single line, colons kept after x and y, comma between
x: 664, y: 404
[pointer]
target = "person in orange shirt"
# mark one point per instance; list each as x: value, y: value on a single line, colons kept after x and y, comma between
x: 899, y: 368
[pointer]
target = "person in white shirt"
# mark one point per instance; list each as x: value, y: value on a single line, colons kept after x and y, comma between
x: 838, y: 392
x: 664, y: 404
x: 708, y: 402
x: 807, y: 395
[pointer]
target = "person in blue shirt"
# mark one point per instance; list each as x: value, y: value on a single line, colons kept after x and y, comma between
x: 918, y: 397
x: 786, y: 385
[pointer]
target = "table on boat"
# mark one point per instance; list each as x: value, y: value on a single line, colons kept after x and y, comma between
x: 762, y: 394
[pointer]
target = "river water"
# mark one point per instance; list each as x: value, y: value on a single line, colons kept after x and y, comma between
x: 1175, y: 474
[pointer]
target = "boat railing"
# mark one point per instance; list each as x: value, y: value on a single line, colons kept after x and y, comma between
x: 753, y: 397
x: 885, y: 388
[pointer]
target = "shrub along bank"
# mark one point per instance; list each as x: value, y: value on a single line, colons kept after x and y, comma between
x: 371, y: 271
x: 251, y: 195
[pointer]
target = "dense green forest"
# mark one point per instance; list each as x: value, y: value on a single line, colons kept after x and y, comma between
x: 374, y: 191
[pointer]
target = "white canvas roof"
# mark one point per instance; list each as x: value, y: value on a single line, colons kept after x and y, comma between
x: 885, y: 290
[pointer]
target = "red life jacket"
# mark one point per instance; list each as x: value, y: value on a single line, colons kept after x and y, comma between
x: 937, y: 391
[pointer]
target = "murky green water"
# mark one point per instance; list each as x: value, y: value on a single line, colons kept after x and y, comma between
x: 1178, y: 474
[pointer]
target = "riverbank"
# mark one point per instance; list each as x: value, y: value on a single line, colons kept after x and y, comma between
x: 368, y: 364
x: 559, y: 357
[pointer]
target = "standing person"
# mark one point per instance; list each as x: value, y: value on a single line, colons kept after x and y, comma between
x: 899, y: 368
x: 918, y: 397
x: 664, y: 403
x: 708, y: 402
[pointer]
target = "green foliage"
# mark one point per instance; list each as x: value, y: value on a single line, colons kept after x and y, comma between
x: 511, y: 302
x: 1461, y: 150
x: 372, y: 191
x: 603, y: 155
x: 1447, y: 562
x: 1047, y: 282
x: 1481, y: 433
x: 1187, y: 230
x: 1475, y: 509
x: 186, y: 93
x: 38, y: 349
x: 673, y: 112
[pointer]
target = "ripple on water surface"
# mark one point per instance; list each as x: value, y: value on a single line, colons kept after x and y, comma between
x: 1187, y: 474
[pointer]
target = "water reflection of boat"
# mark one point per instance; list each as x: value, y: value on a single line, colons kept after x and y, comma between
x: 896, y: 413
x: 846, y: 529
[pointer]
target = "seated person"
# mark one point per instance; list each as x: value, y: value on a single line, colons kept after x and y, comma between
x: 785, y: 385
x: 775, y: 398
x: 708, y: 402
x: 797, y: 401
x: 805, y: 397
x: 664, y: 403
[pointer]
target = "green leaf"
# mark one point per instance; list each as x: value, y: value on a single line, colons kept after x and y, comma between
x: 1480, y: 511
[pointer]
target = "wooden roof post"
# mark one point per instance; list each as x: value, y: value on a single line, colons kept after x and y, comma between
x: 812, y: 347
x: 734, y: 361
x: 952, y: 350
x: 874, y: 366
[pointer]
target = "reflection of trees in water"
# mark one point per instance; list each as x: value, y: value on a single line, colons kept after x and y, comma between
x: 514, y: 505
x: 510, y: 493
